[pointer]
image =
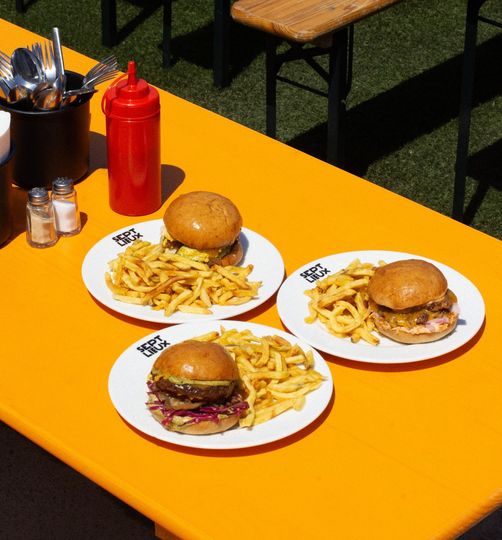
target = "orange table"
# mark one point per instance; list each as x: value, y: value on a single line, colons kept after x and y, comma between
x: 411, y: 451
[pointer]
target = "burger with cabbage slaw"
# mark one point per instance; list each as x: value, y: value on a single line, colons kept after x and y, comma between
x: 194, y: 388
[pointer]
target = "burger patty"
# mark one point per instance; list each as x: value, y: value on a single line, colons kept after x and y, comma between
x: 212, y: 256
x: 194, y: 392
x: 418, y: 315
x: 444, y: 304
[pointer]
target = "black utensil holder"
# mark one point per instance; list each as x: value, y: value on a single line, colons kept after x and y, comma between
x: 50, y: 144
x: 6, y: 196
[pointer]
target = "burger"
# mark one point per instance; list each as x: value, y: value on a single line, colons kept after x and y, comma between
x: 204, y: 227
x: 411, y: 303
x: 194, y: 388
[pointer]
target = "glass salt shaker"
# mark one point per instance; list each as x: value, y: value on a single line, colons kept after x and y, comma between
x: 64, y: 199
x: 40, y: 219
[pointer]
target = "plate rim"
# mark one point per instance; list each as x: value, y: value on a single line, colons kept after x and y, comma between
x: 287, y: 283
x: 199, y: 441
x: 150, y: 315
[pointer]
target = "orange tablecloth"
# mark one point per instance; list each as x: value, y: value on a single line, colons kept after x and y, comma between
x: 411, y: 451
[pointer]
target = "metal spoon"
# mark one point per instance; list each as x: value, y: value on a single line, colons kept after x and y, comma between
x: 46, y: 97
x: 71, y: 96
x: 27, y: 68
x: 58, y: 60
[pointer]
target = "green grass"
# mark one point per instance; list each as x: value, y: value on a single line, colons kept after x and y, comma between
x: 402, y: 110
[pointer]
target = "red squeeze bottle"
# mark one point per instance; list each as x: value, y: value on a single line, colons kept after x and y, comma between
x: 132, y: 109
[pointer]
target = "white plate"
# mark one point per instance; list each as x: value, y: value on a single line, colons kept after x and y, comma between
x: 258, y: 251
x: 292, y: 306
x: 128, y: 390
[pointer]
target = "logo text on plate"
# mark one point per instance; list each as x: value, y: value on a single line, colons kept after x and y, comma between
x: 314, y: 273
x: 153, y: 346
x: 127, y: 237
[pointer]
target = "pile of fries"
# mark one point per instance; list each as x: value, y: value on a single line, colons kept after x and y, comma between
x: 148, y: 274
x: 276, y: 375
x: 340, y: 302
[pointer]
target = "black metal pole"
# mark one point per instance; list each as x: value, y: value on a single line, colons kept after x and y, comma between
x: 336, y: 96
x: 20, y: 7
x: 108, y: 22
x: 221, y: 43
x: 271, y: 81
x: 166, y: 37
x: 464, y: 121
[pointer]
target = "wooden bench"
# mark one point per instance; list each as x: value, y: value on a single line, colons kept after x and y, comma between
x: 328, y: 25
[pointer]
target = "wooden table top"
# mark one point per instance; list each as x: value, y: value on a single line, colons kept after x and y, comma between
x: 306, y: 20
x: 402, y: 451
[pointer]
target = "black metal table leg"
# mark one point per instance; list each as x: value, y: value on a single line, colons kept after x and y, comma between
x: 464, y: 121
x: 271, y: 82
x: 108, y: 22
x: 336, y: 96
x: 221, y: 43
x: 166, y: 37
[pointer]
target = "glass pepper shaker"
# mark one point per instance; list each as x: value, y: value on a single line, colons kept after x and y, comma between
x: 40, y: 219
x: 64, y: 199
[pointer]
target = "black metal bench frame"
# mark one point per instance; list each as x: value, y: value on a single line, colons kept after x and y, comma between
x: 466, y: 93
x: 338, y: 78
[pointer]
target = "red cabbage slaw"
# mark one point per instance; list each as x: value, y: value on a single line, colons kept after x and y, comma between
x: 209, y: 413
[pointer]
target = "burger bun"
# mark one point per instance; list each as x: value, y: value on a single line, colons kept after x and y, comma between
x: 408, y: 337
x: 203, y: 220
x: 406, y: 284
x: 197, y: 360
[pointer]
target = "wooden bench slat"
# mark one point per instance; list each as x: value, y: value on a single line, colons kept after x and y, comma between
x: 304, y: 20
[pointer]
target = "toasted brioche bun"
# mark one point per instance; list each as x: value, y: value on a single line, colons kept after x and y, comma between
x: 203, y: 220
x: 420, y: 333
x: 407, y: 284
x: 197, y: 360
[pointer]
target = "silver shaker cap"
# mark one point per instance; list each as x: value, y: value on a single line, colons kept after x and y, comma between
x: 38, y: 195
x: 62, y: 186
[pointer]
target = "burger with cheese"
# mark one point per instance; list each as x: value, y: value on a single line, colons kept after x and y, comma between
x: 194, y: 388
x: 205, y: 227
x: 411, y: 303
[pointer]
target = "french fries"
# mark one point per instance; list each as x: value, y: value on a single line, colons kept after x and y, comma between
x: 148, y: 274
x: 340, y: 302
x: 275, y: 374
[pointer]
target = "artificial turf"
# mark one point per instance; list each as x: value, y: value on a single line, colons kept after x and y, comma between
x: 402, y: 108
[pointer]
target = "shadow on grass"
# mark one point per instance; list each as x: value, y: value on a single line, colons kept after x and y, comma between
x: 196, y: 47
x: 411, y: 109
x: 22, y: 6
x: 484, y: 166
x: 148, y: 8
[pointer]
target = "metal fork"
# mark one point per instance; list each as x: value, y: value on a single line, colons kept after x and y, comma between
x: 88, y: 87
x: 10, y: 89
x: 4, y: 89
x: 100, y: 78
x: 5, y: 65
x: 45, y: 53
x: 106, y: 65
